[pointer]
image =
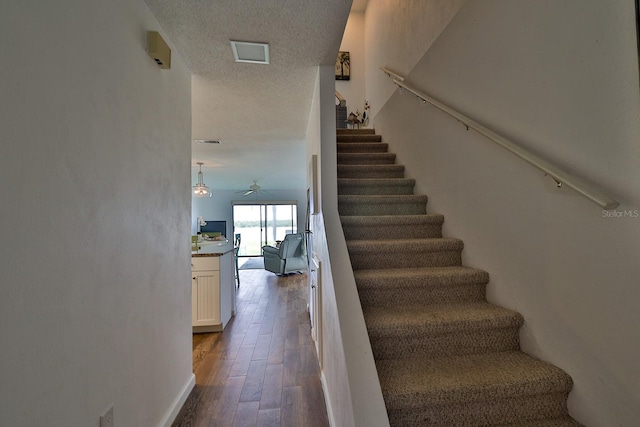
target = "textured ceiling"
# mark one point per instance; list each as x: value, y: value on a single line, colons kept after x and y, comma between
x: 259, y: 112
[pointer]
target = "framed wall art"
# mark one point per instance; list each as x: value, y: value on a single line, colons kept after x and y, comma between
x: 343, y: 66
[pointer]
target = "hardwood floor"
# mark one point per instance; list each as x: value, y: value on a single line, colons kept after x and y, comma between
x: 262, y: 370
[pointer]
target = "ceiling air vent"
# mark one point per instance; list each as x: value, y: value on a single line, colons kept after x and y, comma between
x: 255, y: 53
x: 208, y: 141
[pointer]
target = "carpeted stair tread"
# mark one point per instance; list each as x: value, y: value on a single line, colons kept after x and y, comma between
x: 373, y: 186
x: 405, y: 331
x: 362, y: 147
x: 555, y: 422
x: 405, y: 245
x: 454, y: 382
x: 439, y: 319
x: 386, y: 220
x: 424, y: 286
x: 377, y: 227
x: 428, y: 276
x: 471, y: 377
x: 371, y: 171
x: 360, y: 205
x: 387, y: 199
x: 376, y: 182
x: 366, y: 158
x: 404, y: 253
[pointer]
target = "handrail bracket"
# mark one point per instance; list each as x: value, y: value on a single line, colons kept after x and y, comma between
x: 558, y: 182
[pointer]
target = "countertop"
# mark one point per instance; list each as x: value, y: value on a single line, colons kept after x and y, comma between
x: 212, y: 248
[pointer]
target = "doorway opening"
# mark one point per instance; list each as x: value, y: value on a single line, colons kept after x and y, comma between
x: 263, y: 223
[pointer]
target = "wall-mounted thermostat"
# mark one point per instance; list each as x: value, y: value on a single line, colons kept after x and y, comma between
x: 158, y: 49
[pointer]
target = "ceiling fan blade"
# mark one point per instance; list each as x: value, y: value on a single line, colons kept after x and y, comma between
x: 246, y: 193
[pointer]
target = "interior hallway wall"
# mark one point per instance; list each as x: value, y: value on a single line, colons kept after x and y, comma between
x: 334, y: 369
x: 95, y: 297
x: 349, y: 377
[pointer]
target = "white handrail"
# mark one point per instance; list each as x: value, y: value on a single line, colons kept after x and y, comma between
x: 561, y: 177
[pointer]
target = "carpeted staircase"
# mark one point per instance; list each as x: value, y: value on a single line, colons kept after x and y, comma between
x: 444, y: 355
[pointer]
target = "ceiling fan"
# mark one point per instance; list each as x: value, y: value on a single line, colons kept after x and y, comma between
x: 254, y: 189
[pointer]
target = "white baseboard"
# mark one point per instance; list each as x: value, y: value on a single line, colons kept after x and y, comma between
x: 327, y: 401
x: 175, y: 407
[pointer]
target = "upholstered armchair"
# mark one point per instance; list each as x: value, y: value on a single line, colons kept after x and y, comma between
x: 289, y: 257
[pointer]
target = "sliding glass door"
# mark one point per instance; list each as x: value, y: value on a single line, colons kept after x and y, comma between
x: 261, y: 224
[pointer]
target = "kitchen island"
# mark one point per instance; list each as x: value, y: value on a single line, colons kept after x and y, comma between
x: 213, y: 296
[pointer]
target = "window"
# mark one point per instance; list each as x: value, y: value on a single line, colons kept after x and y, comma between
x: 262, y: 224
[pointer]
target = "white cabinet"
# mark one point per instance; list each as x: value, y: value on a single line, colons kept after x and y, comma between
x: 205, y: 295
x: 212, y: 303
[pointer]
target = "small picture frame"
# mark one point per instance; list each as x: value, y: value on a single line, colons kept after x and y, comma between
x: 343, y: 66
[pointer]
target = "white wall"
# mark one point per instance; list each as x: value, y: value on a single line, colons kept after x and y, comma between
x: 334, y: 377
x: 349, y: 376
x: 562, y: 79
x: 218, y: 207
x: 94, y: 183
x: 397, y: 34
x: 353, y: 42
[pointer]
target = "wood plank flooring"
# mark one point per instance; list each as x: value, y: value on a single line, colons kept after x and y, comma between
x: 262, y: 370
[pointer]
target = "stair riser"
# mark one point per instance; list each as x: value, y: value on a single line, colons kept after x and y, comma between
x: 481, y: 413
x: 404, y: 259
x: 421, y: 295
x: 429, y: 345
x: 563, y: 421
x: 366, y: 159
x: 370, y: 172
x: 362, y: 131
x: 353, y: 147
x: 369, y: 190
x: 373, y: 174
x: 401, y: 231
x: 358, y: 138
x: 368, y: 209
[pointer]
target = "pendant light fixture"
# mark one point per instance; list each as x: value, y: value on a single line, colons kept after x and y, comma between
x: 200, y: 189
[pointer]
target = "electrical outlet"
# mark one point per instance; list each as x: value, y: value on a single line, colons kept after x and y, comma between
x: 106, y: 420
